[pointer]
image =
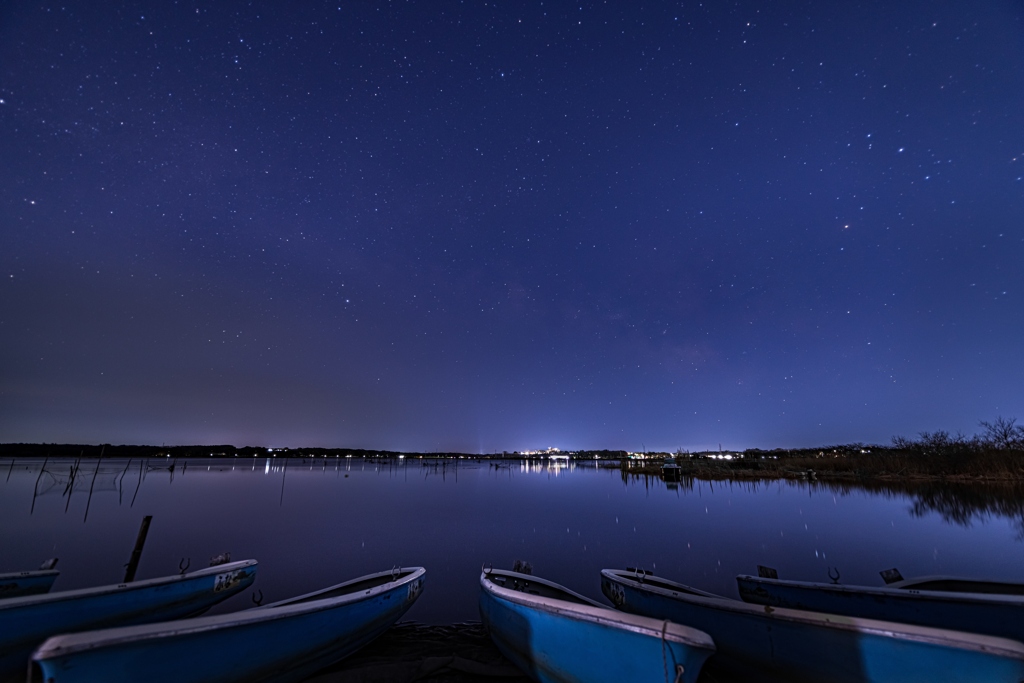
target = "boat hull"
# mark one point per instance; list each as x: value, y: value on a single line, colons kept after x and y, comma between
x: 561, y: 642
x: 283, y: 642
x: 757, y: 643
x: 989, y: 613
x: 26, y: 622
x: 20, y: 584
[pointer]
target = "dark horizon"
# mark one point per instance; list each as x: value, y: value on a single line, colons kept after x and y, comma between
x: 439, y: 227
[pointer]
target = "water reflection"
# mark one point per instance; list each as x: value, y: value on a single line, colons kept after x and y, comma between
x: 956, y: 502
x: 315, y: 521
x: 960, y: 503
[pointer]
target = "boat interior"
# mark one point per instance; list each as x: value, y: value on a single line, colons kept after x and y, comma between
x: 526, y: 584
x: 350, y: 588
x: 962, y: 586
x: 646, y: 579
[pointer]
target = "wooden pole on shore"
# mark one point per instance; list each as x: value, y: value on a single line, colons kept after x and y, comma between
x: 140, y: 541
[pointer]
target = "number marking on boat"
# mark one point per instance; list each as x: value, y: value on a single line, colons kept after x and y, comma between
x: 224, y: 582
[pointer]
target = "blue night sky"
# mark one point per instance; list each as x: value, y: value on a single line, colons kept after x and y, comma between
x: 499, y: 226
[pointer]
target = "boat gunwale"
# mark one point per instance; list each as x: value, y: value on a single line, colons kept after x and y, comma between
x: 33, y: 573
x: 96, y: 591
x: 924, y: 634
x: 403, y: 575
x: 550, y: 584
x: 593, y: 612
x: 907, y: 584
x: 906, y: 591
x: 74, y: 643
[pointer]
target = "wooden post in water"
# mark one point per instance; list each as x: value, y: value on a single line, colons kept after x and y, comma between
x: 70, y: 488
x: 283, y: 475
x: 35, y: 489
x: 121, y: 480
x: 142, y: 467
x: 133, y: 562
x: 93, y: 484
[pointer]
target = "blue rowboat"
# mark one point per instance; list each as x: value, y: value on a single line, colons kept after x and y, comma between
x: 557, y: 636
x: 19, y: 584
x: 992, y: 608
x: 765, y: 643
x: 285, y: 641
x: 26, y: 622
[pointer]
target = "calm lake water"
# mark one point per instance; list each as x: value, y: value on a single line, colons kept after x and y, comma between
x: 324, y: 521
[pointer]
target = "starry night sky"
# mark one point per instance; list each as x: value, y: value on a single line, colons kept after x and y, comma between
x: 500, y: 226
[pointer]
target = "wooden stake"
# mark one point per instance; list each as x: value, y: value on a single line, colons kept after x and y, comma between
x: 140, y: 541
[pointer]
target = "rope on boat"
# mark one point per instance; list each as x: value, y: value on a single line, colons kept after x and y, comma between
x: 664, y: 658
x: 680, y: 670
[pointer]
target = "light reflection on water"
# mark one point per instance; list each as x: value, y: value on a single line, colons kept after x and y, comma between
x: 316, y: 522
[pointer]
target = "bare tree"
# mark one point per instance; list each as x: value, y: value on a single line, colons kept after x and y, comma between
x: 903, y: 443
x: 1004, y: 434
x: 938, y: 443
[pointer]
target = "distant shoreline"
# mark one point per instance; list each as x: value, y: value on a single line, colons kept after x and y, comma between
x: 35, y: 450
x: 852, y: 472
x: 841, y: 464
